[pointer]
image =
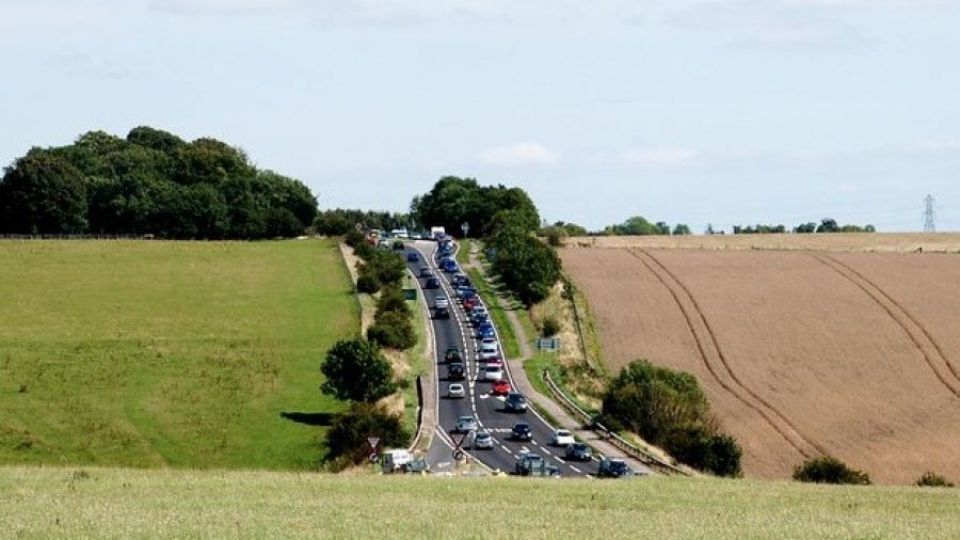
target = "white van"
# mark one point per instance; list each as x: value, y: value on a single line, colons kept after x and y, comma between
x: 394, y: 460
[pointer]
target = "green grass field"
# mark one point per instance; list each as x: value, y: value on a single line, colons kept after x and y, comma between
x: 182, y: 354
x: 116, y: 503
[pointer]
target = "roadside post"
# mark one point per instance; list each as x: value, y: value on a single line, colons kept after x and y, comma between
x: 373, y: 441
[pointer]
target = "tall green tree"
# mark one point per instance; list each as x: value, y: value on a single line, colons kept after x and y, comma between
x: 356, y: 370
x: 42, y: 193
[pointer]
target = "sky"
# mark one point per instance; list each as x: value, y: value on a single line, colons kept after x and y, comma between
x: 685, y: 111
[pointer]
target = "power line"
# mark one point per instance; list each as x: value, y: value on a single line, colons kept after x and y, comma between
x: 929, y: 215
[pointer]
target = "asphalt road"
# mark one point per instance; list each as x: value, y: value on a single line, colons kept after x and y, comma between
x: 479, y: 402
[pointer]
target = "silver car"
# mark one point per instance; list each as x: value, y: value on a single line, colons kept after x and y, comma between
x: 482, y: 440
x: 456, y: 390
x: 466, y: 424
x: 441, y: 302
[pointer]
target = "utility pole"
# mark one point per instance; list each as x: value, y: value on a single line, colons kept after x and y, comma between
x: 929, y: 215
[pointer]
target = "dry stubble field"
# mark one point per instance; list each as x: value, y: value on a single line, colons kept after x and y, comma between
x: 802, y: 353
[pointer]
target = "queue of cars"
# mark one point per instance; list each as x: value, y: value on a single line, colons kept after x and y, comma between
x: 490, y: 369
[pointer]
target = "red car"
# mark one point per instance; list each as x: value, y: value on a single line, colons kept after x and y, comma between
x: 470, y: 303
x: 501, y: 388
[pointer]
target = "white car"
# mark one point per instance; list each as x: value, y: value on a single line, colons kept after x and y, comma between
x: 488, y: 352
x: 562, y: 437
x: 456, y: 390
x: 441, y: 302
x: 492, y: 373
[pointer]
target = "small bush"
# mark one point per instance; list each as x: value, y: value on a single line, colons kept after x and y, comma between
x: 392, y: 329
x: 829, y: 470
x: 388, y: 267
x: 347, y: 438
x: 698, y: 447
x: 367, y: 284
x: 930, y: 479
x: 555, y: 237
x: 354, y: 239
x: 550, y: 327
x: 392, y: 299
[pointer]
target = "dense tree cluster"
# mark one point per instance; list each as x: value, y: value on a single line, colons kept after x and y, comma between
x: 830, y: 225
x: 668, y: 408
x: 639, y: 226
x: 454, y: 201
x: 340, y: 221
x: 152, y: 182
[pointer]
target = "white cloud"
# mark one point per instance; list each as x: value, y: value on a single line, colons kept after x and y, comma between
x: 659, y: 156
x: 521, y: 154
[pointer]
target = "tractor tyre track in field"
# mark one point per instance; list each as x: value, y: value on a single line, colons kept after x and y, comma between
x: 919, y: 336
x: 773, y: 417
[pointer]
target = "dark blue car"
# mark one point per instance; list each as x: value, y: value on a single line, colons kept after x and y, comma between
x: 485, y: 330
x: 413, y: 257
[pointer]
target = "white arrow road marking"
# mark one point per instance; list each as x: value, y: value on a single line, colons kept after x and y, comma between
x: 484, y: 396
x: 524, y: 449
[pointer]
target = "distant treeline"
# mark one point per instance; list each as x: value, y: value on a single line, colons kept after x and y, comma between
x: 640, y: 226
x: 151, y: 182
x: 826, y: 225
x: 340, y: 221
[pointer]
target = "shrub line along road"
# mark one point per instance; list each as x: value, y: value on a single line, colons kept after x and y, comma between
x: 479, y: 402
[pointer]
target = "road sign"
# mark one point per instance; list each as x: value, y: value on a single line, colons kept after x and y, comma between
x: 465, y: 227
x: 458, y: 455
x: 373, y: 457
x: 374, y: 441
x: 548, y: 344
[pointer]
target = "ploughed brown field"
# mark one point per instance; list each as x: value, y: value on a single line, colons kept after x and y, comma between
x: 802, y: 353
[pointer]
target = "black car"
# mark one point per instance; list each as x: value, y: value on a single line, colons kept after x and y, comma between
x: 425, y: 271
x: 613, y: 468
x: 515, y: 403
x: 432, y: 283
x: 441, y: 313
x: 452, y: 354
x: 413, y: 257
x: 398, y: 245
x: 521, y: 432
x: 578, y: 452
x: 455, y: 372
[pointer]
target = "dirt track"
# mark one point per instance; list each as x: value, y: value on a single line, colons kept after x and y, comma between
x: 856, y: 355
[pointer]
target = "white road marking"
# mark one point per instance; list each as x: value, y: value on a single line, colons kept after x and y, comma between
x: 576, y: 470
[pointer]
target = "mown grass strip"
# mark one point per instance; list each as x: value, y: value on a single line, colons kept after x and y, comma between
x: 69, y: 502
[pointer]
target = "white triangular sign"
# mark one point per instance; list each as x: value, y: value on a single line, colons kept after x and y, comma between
x: 374, y: 441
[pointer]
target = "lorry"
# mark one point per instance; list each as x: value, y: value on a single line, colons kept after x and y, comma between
x: 437, y: 232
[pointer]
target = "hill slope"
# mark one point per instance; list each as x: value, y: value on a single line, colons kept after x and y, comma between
x: 149, y: 353
x: 801, y: 353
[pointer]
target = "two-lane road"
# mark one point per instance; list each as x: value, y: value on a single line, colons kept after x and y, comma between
x: 479, y: 402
